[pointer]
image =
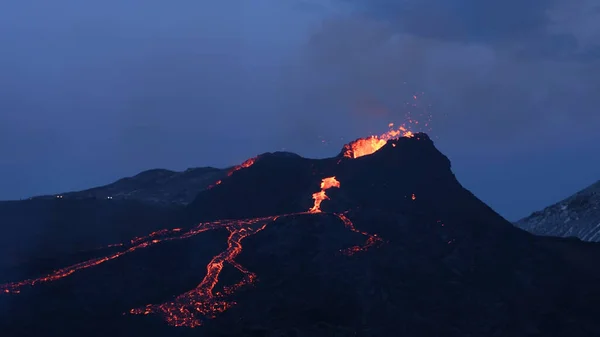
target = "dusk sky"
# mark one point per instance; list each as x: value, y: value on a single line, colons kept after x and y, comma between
x: 92, y: 91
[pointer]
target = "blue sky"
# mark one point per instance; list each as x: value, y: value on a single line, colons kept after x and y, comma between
x: 94, y: 91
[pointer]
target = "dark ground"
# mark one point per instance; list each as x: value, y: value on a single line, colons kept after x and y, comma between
x: 449, y: 266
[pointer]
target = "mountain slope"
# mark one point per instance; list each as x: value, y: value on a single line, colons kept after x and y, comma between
x: 43, y: 232
x: 398, y: 248
x: 576, y: 216
x: 158, y: 187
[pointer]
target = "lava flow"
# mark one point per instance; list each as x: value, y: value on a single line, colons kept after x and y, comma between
x: 243, y: 165
x: 326, y: 184
x: 372, y: 239
x: 135, y: 244
x: 366, y: 146
x: 185, y: 308
x: 203, y: 302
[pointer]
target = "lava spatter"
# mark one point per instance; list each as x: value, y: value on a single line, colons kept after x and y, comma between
x: 369, y: 145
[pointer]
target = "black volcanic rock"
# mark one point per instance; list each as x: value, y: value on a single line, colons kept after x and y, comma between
x: 446, y: 265
x: 576, y: 216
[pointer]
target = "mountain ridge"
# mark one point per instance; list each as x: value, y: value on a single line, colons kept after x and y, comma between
x: 397, y: 247
x: 575, y: 216
x: 153, y: 186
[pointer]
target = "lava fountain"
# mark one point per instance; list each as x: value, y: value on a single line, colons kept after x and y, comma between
x: 366, y: 146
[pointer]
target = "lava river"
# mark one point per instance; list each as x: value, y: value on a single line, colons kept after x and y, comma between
x: 203, y: 302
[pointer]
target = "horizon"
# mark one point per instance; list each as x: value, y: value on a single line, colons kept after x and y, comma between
x: 64, y: 191
x: 91, y: 93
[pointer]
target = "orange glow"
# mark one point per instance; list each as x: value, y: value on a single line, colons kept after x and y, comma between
x: 372, y: 239
x: 366, y: 146
x: 243, y: 165
x: 135, y: 244
x: 413, y: 197
x: 202, y: 300
x: 192, y: 308
x: 318, y: 197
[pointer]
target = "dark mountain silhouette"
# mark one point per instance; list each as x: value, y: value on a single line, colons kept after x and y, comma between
x: 576, y: 216
x: 155, y: 187
x: 399, y: 249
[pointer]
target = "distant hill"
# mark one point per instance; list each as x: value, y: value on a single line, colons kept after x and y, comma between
x: 157, y: 187
x: 576, y: 216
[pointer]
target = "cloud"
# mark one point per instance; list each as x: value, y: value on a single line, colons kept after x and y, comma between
x: 462, y: 20
x: 510, y: 71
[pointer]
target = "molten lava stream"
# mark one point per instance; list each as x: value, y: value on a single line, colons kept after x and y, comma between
x: 203, y: 300
x: 372, y: 239
x: 243, y: 165
x: 318, y: 197
x: 183, y: 310
x: 137, y: 243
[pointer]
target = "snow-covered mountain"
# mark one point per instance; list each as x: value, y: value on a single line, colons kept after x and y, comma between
x: 576, y: 216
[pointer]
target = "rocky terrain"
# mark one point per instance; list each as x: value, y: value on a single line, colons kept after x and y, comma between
x: 157, y: 187
x: 576, y: 216
x: 393, y: 245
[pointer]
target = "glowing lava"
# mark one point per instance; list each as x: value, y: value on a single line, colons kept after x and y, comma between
x: 135, y: 244
x: 372, y: 239
x: 203, y: 302
x: 366, y: 146
x: 185, y: 308
x: 326, y: 184
x: 243, y: 165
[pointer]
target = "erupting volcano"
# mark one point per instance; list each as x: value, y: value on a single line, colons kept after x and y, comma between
x: 266, y: 252
x: 366, y: 146
x: 190, y: 308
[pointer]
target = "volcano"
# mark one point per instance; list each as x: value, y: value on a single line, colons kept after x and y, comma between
x: 380, y: 240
